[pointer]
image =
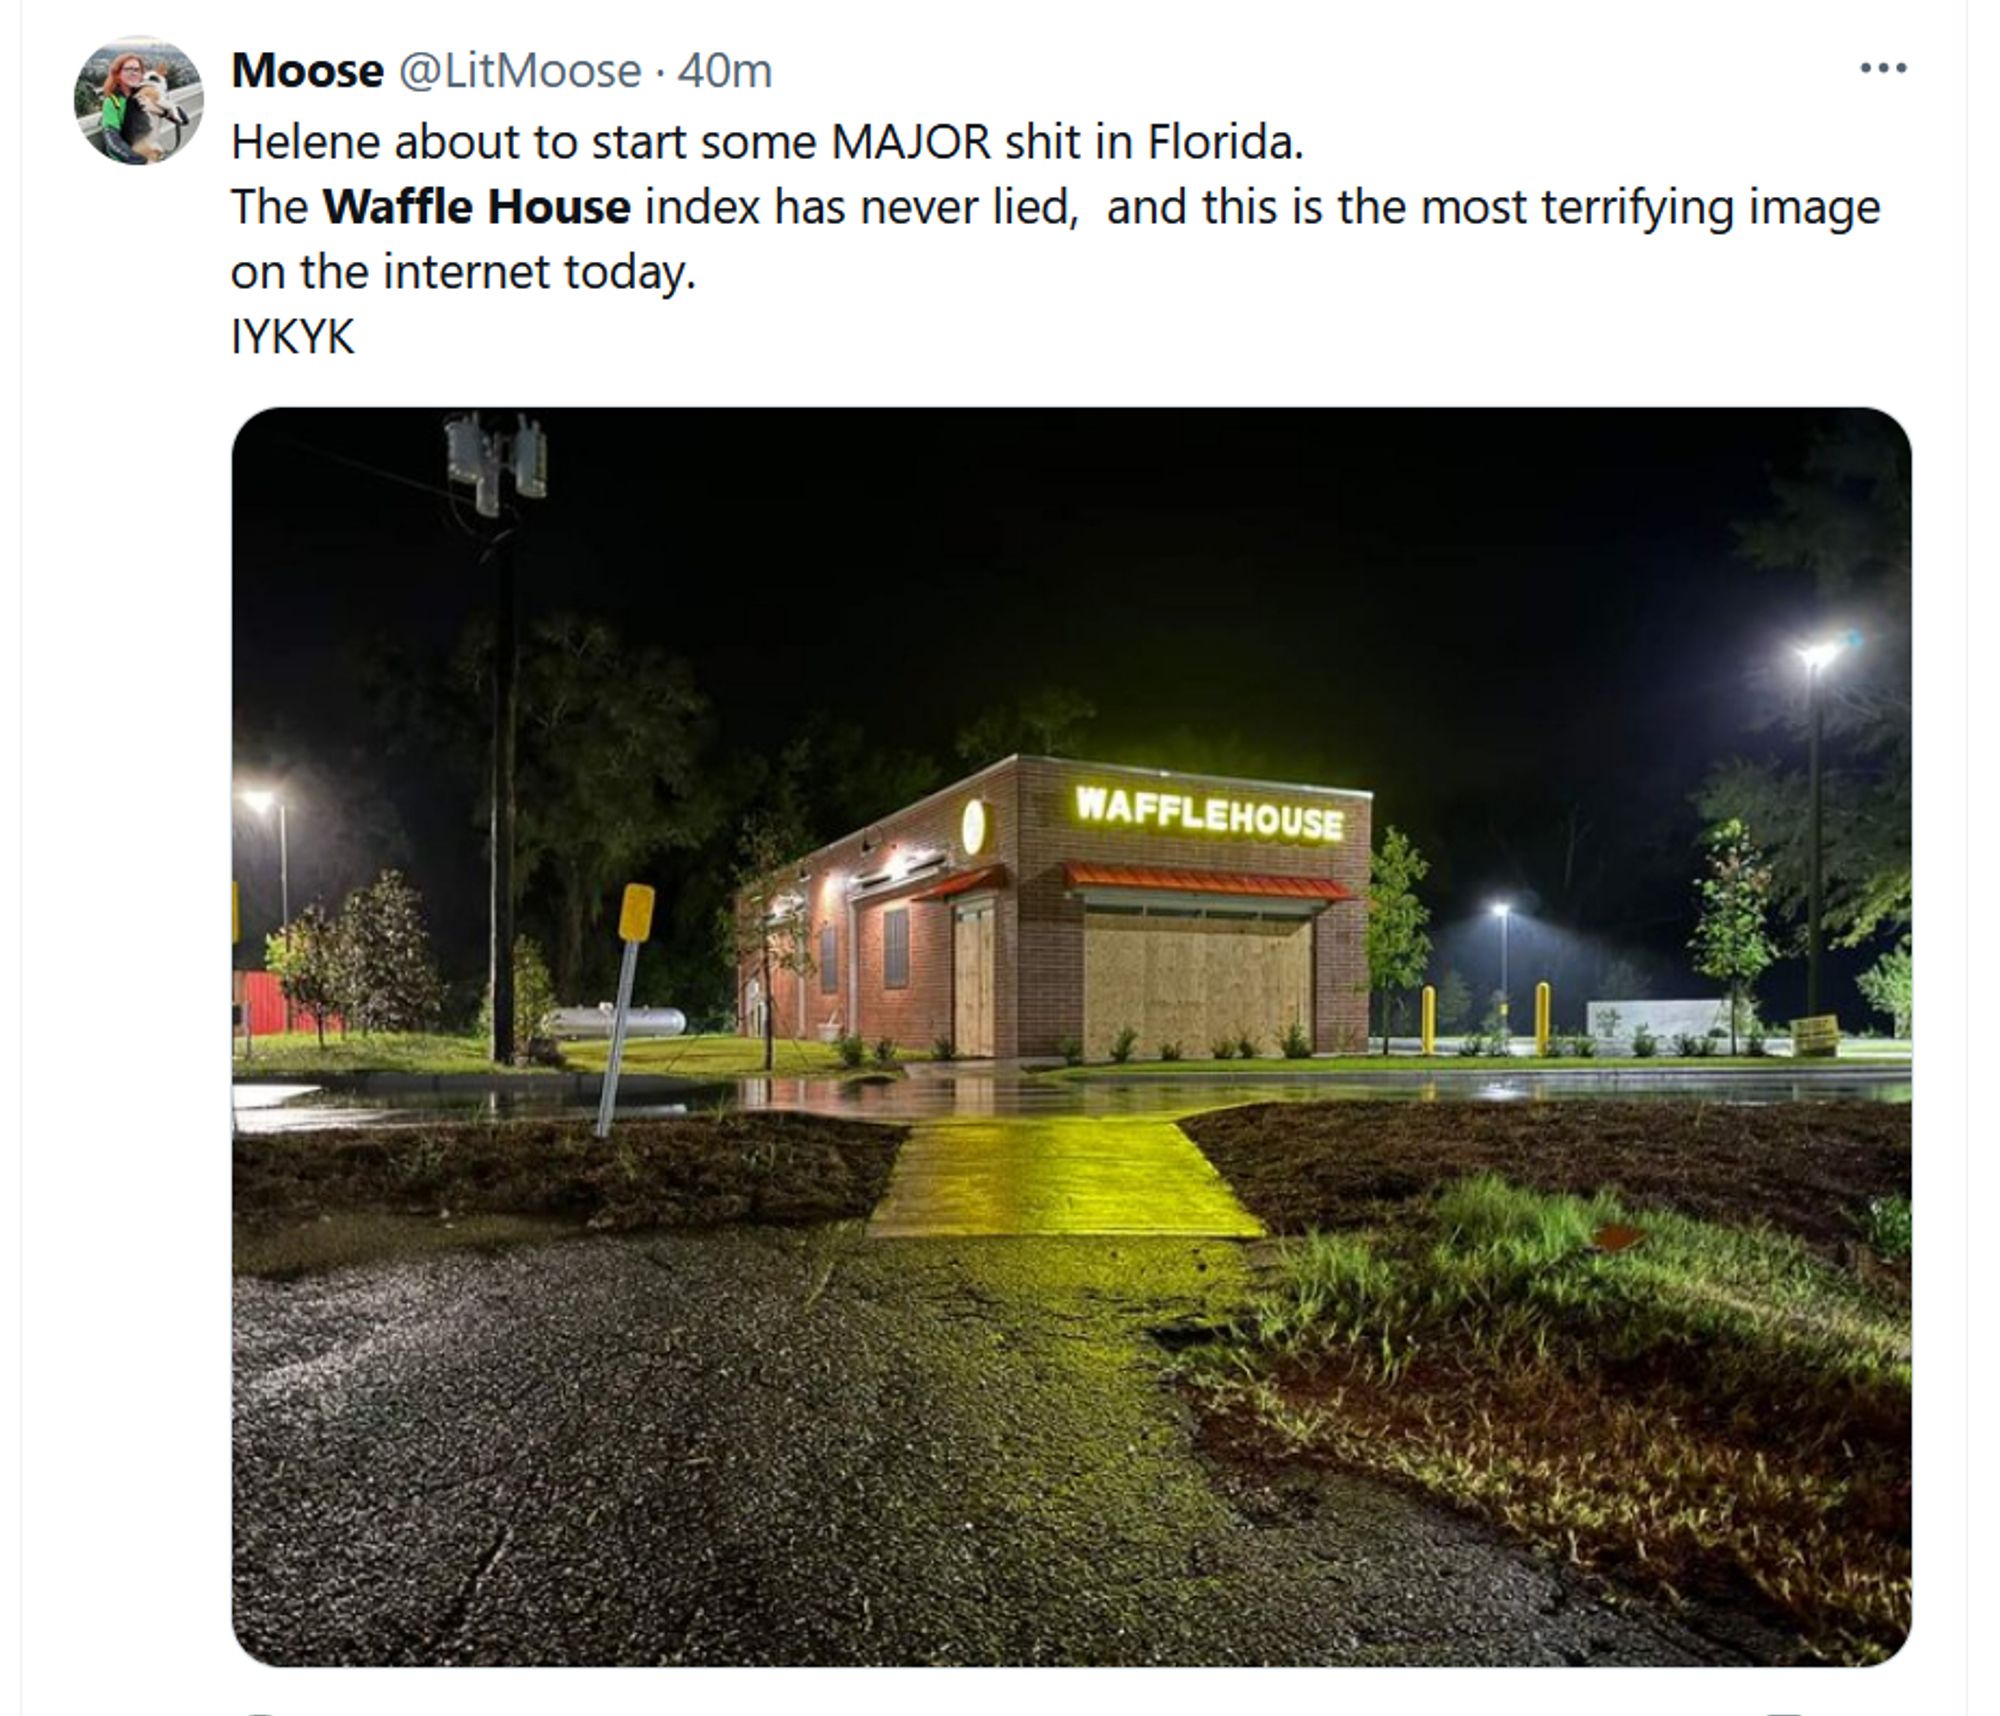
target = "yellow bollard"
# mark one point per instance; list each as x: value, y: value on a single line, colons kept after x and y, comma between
x: 1430, y: 1020
x: 1544, y: 996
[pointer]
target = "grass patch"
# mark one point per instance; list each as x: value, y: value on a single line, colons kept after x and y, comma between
x: 1460, y: 1066
x: 718, y: 1057
x: 1807, y: 1168
x: 698, y: 1171
x: 298, y: 1052
x: 1716, y: 1413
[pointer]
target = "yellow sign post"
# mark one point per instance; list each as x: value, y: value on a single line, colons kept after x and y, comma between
x: 240, y: 1010
x: 1430, y: 1019
x: 1544, y: 1006
x: 635, y: 924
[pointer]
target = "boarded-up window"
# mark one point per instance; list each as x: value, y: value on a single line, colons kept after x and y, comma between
x: 896, y: 947
x: 829, y: 961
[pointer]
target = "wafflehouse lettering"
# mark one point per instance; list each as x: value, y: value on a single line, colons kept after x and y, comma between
x: 1210, y: 813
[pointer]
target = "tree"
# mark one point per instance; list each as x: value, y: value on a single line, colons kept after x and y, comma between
x: 608, y: 741
x: 767, y: 927
x: 1843, y: 521
x: 306, y: 957
x: 534, y: 996
x: 1731, y: 941
x: 1889, y: 987
x: 1454, y: 1002
x: 388, y: 980
x: 1398, y: 947
x: 1624, y: 979
x: 1048, y: 721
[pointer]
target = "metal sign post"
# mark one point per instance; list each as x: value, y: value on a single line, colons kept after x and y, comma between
x: 635, y: 924
x: 242, y: 1009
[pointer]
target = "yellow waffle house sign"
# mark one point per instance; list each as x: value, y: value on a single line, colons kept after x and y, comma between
x: 1223, y: 814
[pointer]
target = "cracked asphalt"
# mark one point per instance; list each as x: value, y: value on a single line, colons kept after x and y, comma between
x: 802, y: 1446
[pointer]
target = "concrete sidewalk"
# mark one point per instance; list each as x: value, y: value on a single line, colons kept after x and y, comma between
x: 1056, y: 1175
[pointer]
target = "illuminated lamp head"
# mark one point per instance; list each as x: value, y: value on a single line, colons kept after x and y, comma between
x: 972, y: 827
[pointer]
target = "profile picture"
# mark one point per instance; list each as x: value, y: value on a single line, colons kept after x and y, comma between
x: 138, y: 101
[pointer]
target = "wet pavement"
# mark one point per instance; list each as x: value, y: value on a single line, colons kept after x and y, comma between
x: 1055, y: 1175
x: 761, y: 1446
x: 931, y: 1096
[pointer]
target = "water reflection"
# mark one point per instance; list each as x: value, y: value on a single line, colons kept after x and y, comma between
x: 275, y: 1108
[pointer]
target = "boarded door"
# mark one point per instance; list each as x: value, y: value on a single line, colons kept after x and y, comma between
x: 972, y: 979
x: 1191, y: 981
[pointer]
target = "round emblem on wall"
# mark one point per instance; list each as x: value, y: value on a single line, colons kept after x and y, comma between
x: 972, y: 827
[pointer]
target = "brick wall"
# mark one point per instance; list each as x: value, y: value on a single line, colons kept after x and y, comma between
x: 923, y: 1011
x: 1038, y: 930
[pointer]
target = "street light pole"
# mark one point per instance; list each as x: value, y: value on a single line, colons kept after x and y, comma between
x: 1504, y: 912
x: 262, y: 800
x: 284, y: 867
x: 1815, y: 932
x: 1817, y: 658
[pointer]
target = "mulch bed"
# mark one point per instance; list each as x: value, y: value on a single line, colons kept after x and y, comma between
x: 1808, y: 1168
x: 698, y: 1171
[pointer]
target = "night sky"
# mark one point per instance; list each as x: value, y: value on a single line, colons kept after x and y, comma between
x: 1528, y: 633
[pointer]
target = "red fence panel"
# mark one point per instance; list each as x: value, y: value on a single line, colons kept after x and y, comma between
x: 264, y: 1002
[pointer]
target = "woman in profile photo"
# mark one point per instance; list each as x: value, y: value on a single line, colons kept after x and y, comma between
x: 121, y: 82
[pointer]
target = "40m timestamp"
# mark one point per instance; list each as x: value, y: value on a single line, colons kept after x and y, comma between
x: 717, y: 70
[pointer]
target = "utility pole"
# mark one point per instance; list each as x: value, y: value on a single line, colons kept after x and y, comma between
x: 485, y: 460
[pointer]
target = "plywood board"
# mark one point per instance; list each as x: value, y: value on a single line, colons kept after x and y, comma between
x: 1193, y: 980
x: 972, y: 983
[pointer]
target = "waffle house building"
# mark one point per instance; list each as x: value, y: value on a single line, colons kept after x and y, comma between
x: 1044, y: 899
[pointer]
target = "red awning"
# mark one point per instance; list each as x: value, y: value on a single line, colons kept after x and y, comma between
x: 993, y: 876
x: 1081, y: 875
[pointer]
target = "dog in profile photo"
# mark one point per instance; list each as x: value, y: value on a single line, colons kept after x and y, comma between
x: 153, y: 119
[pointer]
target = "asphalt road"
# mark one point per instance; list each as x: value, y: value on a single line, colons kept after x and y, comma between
x: 761, y: 1446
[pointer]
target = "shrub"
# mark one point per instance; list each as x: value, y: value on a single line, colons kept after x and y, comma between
x: 1297, y: 1046
x: 388, y: 979
x: 943, y: 1049
x: 1472, y: 1043
x: 1247, y: 1045
x: 1223, y: 1049
x: 852, y: 1050
x: 1887, y: 1228
x: 1611, y: 1019
x: 1170, y: 1050
x: 1584, y: 1046
x: 305, y: 956
x: 1756, y: 1043
x: 534, y: 997
x: 1071, y: 1050
x: 1121, y: 1045
x: 1644, y: 1044
x: 885, y: 1052
x: 1687, y: 1044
